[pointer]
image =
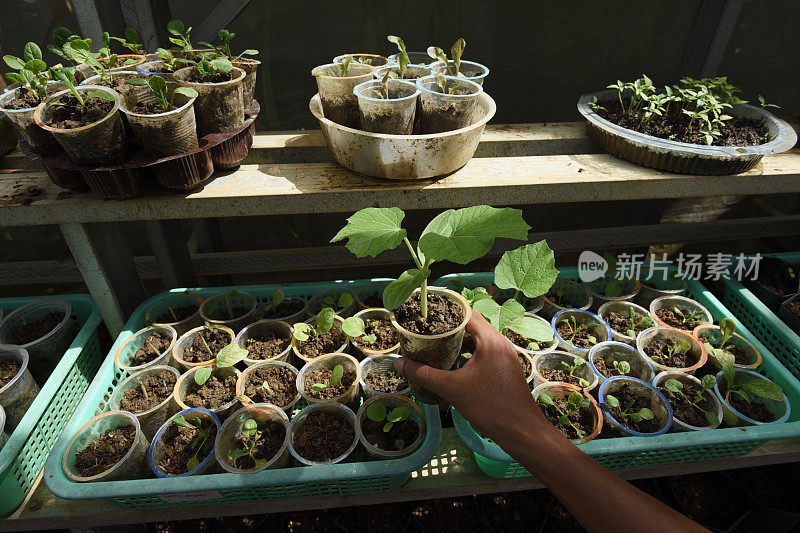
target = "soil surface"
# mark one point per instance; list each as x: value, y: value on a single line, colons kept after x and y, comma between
x: 682, y: 409
x: 159, y: 387
x: 581, y: 339
x: 281, y: 382
x: 373, y: 301
x: 564, y: 301
x: 561, y: 375
x: 317, y: 345
x: 8, y: 370
x: 444, y: 315
x: 442, y: 118
x: 406, y: 431
x: 37, y: 329
x: 149, y: 108
x: 673, y: 319
x: 186, y: 444
x: 610, y: 371
x: 178, y: 314
x: 268, y: 444
x: 117, y: 83
x: 71, y: 115
x: 198, y: 352
x: 778, y: 280
x: 266, y: 345
x: 794, y: 308
x: 324, y: 376
x: 522, y: 342
x: 621, y: 323
x: 658, y: 350
x: 581, y: 417
x: 214, y: 393
x: 624, y: 394
x: 388, y: 381
x: 27, y: 100
x: 220, y: 312
x: 753, y: 410
x: 154, y: 345
x: 105, y: 451
x: 286, y: 308
x: 739, y: 355
x: 387, y: 335
x: 219, y: 77
x: 323, y: 436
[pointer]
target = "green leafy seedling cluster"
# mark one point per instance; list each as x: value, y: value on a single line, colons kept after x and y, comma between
x: 456, y: 51
x: 66, y: 76
x: 707, y: 383
x: 575, y: 328
x: 209, y: 66
x: 377, y: 412
x: 680, y: 347
x: 637, y: 321
x: 251, y: 435
x: 197, y: 442
x: 727, y: 328
x: 623, y: 368
x: 336, y: 377
x: 302, y: 331
x: 355, y: 327
x: 572, y: 368
x: 402, y: 54
x: 687, y: 316
x: 343, y: 301
x: 170, y: 62
x: 224, y: 47
x: 181, y: 36
x: 575, y: 402
x: 30, y: 70
x: 158, y: 87
x: 278, y: 297
x: 643, y: 414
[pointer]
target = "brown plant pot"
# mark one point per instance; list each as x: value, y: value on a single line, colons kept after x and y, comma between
x: 250, y: 67
x: 219, y: 107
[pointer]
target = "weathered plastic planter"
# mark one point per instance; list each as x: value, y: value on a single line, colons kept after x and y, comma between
x: 250, y: 68
x: 167, y: 306
x: 391, y: 402
x: 364, y: 351
x: 230, y: 302
x: 469, y: 69
x: 554, y: 360
x: 231, y: 430
x: 339, y: 103
x: 438, y: 112
x: 621, y: 307
x: 611, y: 351
x: 378, y: 363
x: 658, y: 404
x: 300, y: 418
x: 393, y: 115
x: 18, y: 394
x: 577, y: 295
x: 162, y: 134
x: 21, y: 121
x: 207, y: 466
x: 186, y: 341
x: 151, y: 419
x: 122, y: 359
x: 349, y: 397
x: 186, y: 381
x: 732, y: 417
x: 697, y: 349
x: 751, y: 353
x: 560, y: 390
x: 600, y: 331
x: 257, y: 329
x: 219, y: 107
x: 669, y: 302
x: 710, y: 395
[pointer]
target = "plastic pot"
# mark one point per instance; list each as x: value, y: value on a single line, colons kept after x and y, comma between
x: 18, y: 394
x: 227, y: 304
x: 531, y: 305
x: 168, y: 305
x: 136, y: 341
x: 413, y: 72
x: 151, y: 419
x: 439, y: 351
x: 658, y: 404
x: 621, y: 307
x: 697, y: 349
x: 414, y: 58
x: 597, y: 289
x: 41, y: 140
x: 117, y: 75
x: 102, y: 142
x: 790, y: 319
x: 438, y: 112
x: 250, y: 68
x: 329, y: 362
x: 363, y: 351
x: 600, y: 331
x: 186, y: 381
x: 392, y: 402
x: 133, y: 465
x: 378, y: 363
x: 231, y: 431
x: 716, y: 405
x: 137, y: 59
x: 561, y: 390
x: 186, y: 340
x: 683, y: 303
x: 337, y: 325
x: 152, y: 68
x: 611, y: 351
x: 163, y: 134
x: 751, y: 353
x: 374, y: 60
x: 339, y: 103
x: 219, y: 106
x: 775, y: 268
x: 289, y: 319
x: 257, y: 329
x: 240, y: 383
x: 575, y: 293
x: 371, y: 289
x: 656, y: 282
x: 393, y: 115
x: 315, y: 304
x: 469, y: 70
x: 554, y: 360
x: 732, y: 417
x: 8, y: 135
x: 333, y: 407
x: 532, y: 354
x: 166, y: 432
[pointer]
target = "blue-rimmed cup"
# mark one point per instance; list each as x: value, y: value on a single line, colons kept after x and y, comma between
x: 600, y: 330
x: 469, y: 69
x: 169, y: 430
x: 388, y: 109
x: 662, y: 412
x: 446, y: 109
x: 732, y: 417
x: 611, y: 351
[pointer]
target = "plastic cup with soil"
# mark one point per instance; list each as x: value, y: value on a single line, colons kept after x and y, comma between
x: 680, y: 313
x: 789, y: 312
x: 18, y: 105
x: 290, y: 310
x: 250, y: 68
x: 531, y: 348
x: 266, y: 340
x: 565, y: 294
x: 233, y: 309
x: 117, y: 81
x: 91, y: 133
x: 446, y: 109
x: 184, y: 445
x: 374, y: 60
x: 109, y: 447
x: 626, y: 320
x: 147, y: 347
x: 633, y: 408
x: 181, y: 312
x: 8, y: 135
x: 469, y: 70
x: 45, y: 329
x: 609, y: 289
x: 122, y: 62
x: 531, y: 305
x: 671, y: 349
x: 611, y: 358
x: 379, y: 377
x: 332, y: 341
x: 341, y: 299
x: 563, y: 367
x: 330, y: 378
x: 412, y: 72
x: 777, y: 279
x: 339, y: 103
x: 148, y: 395
x: 380, y: 337
x: 657, y: 282
x: 323, y: 434
x: 387, y: 108
x: 155, y: 67
x: 583, y: 416
x: 3, y: 436
x: 390, y: 426
x: 272, y: 382
x: 578, y: 331
x: 435, y: 341
x: 695, y: 405
x: 414, y: 58
x: 17, y: 387
x: 745, y: 355
x: 208, y: 387
x: 219, y: 106
x: 757, y: 409
x: 370, y: 294
x: 200, y: 346
x: 254, y: 438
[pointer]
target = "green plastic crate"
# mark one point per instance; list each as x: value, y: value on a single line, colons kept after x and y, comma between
x: 292, y: 482
x: 24, y: 455
x: 631, y: 452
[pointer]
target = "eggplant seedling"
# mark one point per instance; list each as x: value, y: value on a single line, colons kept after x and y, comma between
x: 170, y: 62
x: 302, y: 331
x: 30, y: 69
x: 623, y: 368
x: 727, y: 327
x: 209, y: 68
x: 66, y: 77
x: 680, y: 347
x: 571, y: 368
x: 336, y: 377
x: 224, y: 48
x: 202, y: 375
x: 377, y: 412
x: 642, y: 414
x: 355, y: 327
x: 707, y: 383
x: 159, y: 89
x: 687, y: 316
x: 278, y: 297
x: 250, y: 434
x: 456, y: 51
x: 230, y: 355
x: 402, y: 55
x: 61, y: 36
x: 197, y: 441
x: 575, y: 402
x: 343, y: 301
x: 638, y: 322
x: 181, y: 35
x: 749, y: 391
x: 575, y: 328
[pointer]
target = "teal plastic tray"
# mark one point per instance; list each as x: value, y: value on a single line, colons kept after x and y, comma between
x: 292, y: 482
x: 630, y: 452
x: 24, y: 455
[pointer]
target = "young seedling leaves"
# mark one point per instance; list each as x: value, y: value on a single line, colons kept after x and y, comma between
x: 249, y: 427
x: 612, y: 401
x: 97, y: 93
x: 192, y: 463
x: 499, y: 316
x: 399, y: 444
x: 230, y: 355
x: 336, y: 375
x: 727, y: 327
x: 398, y: 291
x: 708, y: 381
x: 532, y: 329
x: 456, y: 51
x: 623, y: 367
x: 325, y: 319
x: 712, y: 419
x: 764, y: 389
x: 682, y: 346
x: 530, y: 269
x: 202, y: 375
x: 376, y: 412
x: 353, y: 327
x: 398, y: 414
x: 673, y: 385
x: 181, y: 421
x: 345, y: 300
x: 545, y: 399
x: 372, y: 231
x: 302, y: 331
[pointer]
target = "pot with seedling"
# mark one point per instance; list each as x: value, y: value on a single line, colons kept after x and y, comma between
x: 182, y: 39
x: 370, y: 294
x: 165, y: 66
x: 147, y: 347
x: 335, y: 83
x: 323, y: 434
x: 340, y: 299
x: 658, y: 281
x: 390, y: 427
x: 723, y: 338
x: 455, y: 66
x: 401, y: 68
x: 273, y: 382
x: 577, y: 331
x: 563, y: 367
x: 319, y: 335
x: 611, y: 358
x: 613, y: 286
x: 266, y: 340
x: 180, y: 311
x: 777, y: 279
x: 626, y: 320
x: 109, y: 447
x: 148, y: 395
x: 290, y: 310
x: 234, y: 309
x: 431, y: 320
x: 17, y: 387
x: 446, y: 103
x: 565, y: 294
x: 184, y: 445
x: 680, y: 313
x: 371, y: 333
x: 387, y: 105
x: 748, y: 398
x: 332, y: 377
x: 219, y: 106
x: 571, y: 410
x: 249, y: 66
x: 633, y: 408
x: 210, y: 387
x: 102, y: 68
x: 253, y: 439
x: 668, y: 349
x: 694, y: 404
x: 374, y: 60
x: 379, y: 377
x: 202, y: 345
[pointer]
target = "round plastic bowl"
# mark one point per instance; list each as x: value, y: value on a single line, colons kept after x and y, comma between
x: 371, y: 289
x: 168, y: 430
x: 669, y: 302
x: 655, y: 285
x: 231, y: 430
x: 329, y: 362
x: 257, y: 329
x: 136, y: 341
x: 601, y: 331
x: 469, y: 69
x: 391, y: 402
x: 732, y: 417
x: 698, y: 350
x: 619, y: 351
x: 334, y: 407
x: 658, y: 404
x: 752, y: 353
x: 240, y: 383
x: 560, y: 390
x: 677, y: 425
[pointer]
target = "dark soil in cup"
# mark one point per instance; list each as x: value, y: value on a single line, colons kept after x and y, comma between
x: 287, y: 308
x: 281, y: 381
x: 682, y: 409
x: 341, y: 110
x: 154, y: 345
x: 389, y: 120
x: 658, y: 350
x: 329, y: 342
x: 117, y: 83
x: 8, y: 371
x: 406, y: 431
x: 186, y: 444
x: 373, y: 301
x: 388, y: 381
x: 323, y: 436
x: 178, y: 314
x: 739, y: 354
x: 794, y: 308
x: 581, y: 339
x: 105, y: 451
x: 560, y: 375
x: 27, y: 100
x: 382, y: 328
x: 778, y: 280
x: 266, y: 447
x: 673, y: 319
x: 753, y: 410
x: 324, y: 376
x: 565, y: 300
x: 609, y: 371
x: 444, y: 315
x: 148, y: 108
x: 198, y: 351
x: 581, y: 417
x: 221, y: 313
x: 71, y: 115
x: 268, y: 345
x: 159, y: 387
x: 620, y: 322
x: 219, y: 77
x: 36, y: 329
x: 443, y: 118
x: 212, y: 394
x: 640, y: 400
x: 522, y: 342
x: 159, y: 67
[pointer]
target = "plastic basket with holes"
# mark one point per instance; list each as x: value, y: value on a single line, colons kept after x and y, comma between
x: 630, y: 452
x: 362, y: 475
x: 24, y: 455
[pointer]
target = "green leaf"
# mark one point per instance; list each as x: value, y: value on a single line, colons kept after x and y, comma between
x: 235, y: 454
x: 499, y: 316
x: 463, y: 235
x: 708, y: 381
x: 611, y: 401
x: 14, y: 62
x: 31, y: 52
x: 398, y: 414
x: 278, y: 296
x: 636, y: 417
x: 245, y: 398
x: 181, y: 421
x: 157, y: 84
x: 336, y: 375
x: 353, y: 326
x: 399, y: 444
x: 575, y: 397
x: 726, y: 361
x: 545, y: 399
x: 221, y: 64
x: 727, y: 327
x: 530, y: 269
x: 15, y: 78
x: 325, y: 319
x: 250, y: 425
x: 673, y: 385
x: 373, y: 230
x: 61, y: 35
x: 563, y: 420
x: 137, y: 82
x: 319, y: 387
x: 79, y: 50
x: 131, y: 35
x: 193, y: 463
x: 401, y: 46
x: 712, y: 419
x: 250, y: 52
x: 764, y: 389
x: 345, y: 300
x: 646, y: 413
x: 301, y: 331
x: 387, y: 426
x: 186, y: 91
x: 398, y: 291
x: 532, y: 329
x: 175, y: 27
x: 682, y: 346
x: 230, y: 355
x: 36, y: 66
x: 376, y: 412
x: 202, y: 375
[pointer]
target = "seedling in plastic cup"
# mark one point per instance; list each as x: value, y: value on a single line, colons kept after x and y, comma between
x: 197, y: 441
x: 707, y: 383
x: 159, y: 88
x: 251, y: 435
x: 336, y: 377
x: 575, y: 328
x: 377, y: 413
x: 643, y: 414
x: 679, y: 348
x: 571, y: 368
x: 575, y: 401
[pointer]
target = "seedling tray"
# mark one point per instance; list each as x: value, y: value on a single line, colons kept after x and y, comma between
x: 23, y: 456
x: 292, y: 482
x: 630, y: 452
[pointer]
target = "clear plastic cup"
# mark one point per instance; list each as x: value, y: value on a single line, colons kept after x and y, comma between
x: 337, y: 324
x: 698, y: 350
x: 374, y: 60
x: 339, y: 104
x: 413, y: 72
x: 257, y: 329
x: 554, y: 360
x: 391, y: 402
x: 371, y: 289
x: 681, y: 302
x: 42, y: 142
x: 561, y: 390
x: 240, y: 383
x: 378, y: 363
x: 227, y: 304
x: 657, y: 282
x: 531, y: 305
x: 250, y: 68
x: 186, y: 381
x: 553, y: 346
x: 314, y: 304
x: 438, y: 112
x: 414, y: 58
x: 231, y: 430
x: 289, y: 319
x: 733, y: 418
x: 332, y: 407
x: 601, y: 331
x: 597, y: 290
x: 362, y: 351
x: 167, y: 305
x: 151, y: 419
x: 165, y: 133
x: 45, y: 352
x: 393, y: 115
x: 329, y: 362
x: 186, y: 341
x: 716, y: 405
x: 658, y: 404
x: 470, y: 70
x: 166, y: 432
x: 621, y: 307
x: 133, y: 465
x: 219, y: 107
x: 3, y: 436
x: 18, y: 394
x: 611, y: 351
x: 136, y: 341
x: 576, y: 293
x: 714, y: 333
